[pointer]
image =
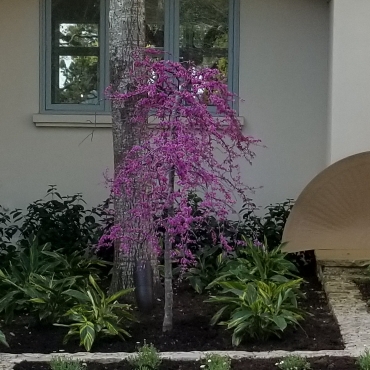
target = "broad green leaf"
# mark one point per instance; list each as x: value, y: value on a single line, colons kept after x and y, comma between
x: 218, y: 315
x: 280, y: 322
x: 82, y: 297
x: 117, y: 295
x: 87, y: 335
x: 38, y: 300
x: 3, y: 339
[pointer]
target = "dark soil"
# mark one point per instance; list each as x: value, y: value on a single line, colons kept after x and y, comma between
x: 191, y: 330
x: 323, y: 363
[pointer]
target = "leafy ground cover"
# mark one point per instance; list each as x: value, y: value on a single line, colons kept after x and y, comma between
x: 53, y: 297
x: 323, y: 363
x: 191, y: 330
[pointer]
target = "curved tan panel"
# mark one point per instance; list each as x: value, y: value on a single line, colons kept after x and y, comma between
x: 333, y: 211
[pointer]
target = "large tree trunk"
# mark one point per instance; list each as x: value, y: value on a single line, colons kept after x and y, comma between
x: 127, y: 33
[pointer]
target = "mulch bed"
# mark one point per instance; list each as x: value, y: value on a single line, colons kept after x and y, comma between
x: 322, y: 363
x: 191, y: 330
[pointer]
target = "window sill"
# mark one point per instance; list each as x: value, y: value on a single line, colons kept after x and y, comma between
x: 73, y: 120
x: 80, y: 120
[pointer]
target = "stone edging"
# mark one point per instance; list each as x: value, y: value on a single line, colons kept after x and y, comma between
x: 175, y: 356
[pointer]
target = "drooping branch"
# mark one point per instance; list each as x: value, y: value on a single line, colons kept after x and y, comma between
x: 178, y: 157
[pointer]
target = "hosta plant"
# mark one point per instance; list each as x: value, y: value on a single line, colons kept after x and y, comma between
x: 257, y: 309
x: 96, y: 314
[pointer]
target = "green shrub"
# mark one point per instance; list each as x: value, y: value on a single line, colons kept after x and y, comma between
x: 364, y: 360
x: 46, y: 295
x: 293, y: 362
x: 37, y: 278
x: 257, y: 264
x: 269, y: 227
x: 34, y: 260
x: 8, y: 229
x: 96, y: 314
x: 61, y: 221
x: 147, y: 358
x: 216, y: 362
x: 257, y: 309
x: 65, y: 363
x: 209, y: 262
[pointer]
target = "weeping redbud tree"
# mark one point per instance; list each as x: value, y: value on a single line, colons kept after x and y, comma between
x: 182, y: 117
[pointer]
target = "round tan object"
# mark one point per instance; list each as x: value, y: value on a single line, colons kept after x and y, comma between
x: 333, y: 211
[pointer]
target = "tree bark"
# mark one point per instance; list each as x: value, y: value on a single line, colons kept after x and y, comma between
x: 168, y: 289
x: 127, y: 34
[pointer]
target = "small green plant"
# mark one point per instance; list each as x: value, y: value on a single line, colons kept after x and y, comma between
x: 96, y: 314
x: 216, y: 362
x: 147, y: 358
x: 65, y: 363
x: 257, y: 263
x: 364, y: 360
x: 293, y: 362
x: 46, y: 296
x: 257, y: 309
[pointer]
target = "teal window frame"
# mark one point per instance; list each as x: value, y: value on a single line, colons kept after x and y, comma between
x: 172, y: 36
x: 103, y: 105
x: 171, y: 45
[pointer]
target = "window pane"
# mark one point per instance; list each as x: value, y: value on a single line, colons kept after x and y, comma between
x: 204, y: 33
x: 154, y: 23
x: 75, y: 51
x: 78, y: 79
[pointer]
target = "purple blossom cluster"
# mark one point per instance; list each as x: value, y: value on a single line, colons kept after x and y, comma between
x: 182, y: 116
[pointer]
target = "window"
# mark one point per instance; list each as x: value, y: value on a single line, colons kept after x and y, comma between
x: 75, y: 45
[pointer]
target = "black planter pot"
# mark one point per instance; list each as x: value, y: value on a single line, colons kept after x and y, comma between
x: 143, y: 282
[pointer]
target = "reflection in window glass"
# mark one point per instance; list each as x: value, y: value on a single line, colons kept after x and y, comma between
x: 154, y: 23
x: 75, y: 51
x: 204, y: 33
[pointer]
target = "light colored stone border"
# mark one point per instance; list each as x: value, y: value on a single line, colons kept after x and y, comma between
x: 350, y: 311
x: 175, y: 356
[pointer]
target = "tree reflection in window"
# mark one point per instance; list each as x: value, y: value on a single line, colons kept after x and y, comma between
x: 204, y: 31
x: 75, y: 52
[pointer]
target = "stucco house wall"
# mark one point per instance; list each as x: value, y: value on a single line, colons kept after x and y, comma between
x: 349, y: 128
x: 284, y: 73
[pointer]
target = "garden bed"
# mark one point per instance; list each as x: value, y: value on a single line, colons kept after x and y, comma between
x: 322, y: 363
x: 191, y: 330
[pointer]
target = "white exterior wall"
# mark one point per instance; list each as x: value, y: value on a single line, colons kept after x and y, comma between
x: 32, y: 157
x: 350, y: 79
x: 283, y: 78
